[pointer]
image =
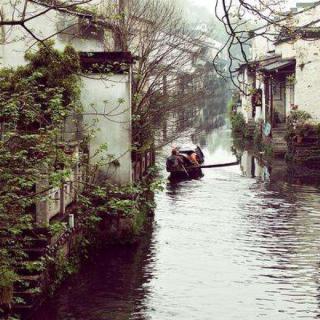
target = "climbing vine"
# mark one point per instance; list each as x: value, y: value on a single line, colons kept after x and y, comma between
x: 40, y: 115
x: 36, y: 102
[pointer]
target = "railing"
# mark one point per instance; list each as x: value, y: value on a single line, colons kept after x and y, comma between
x: 141, y: 162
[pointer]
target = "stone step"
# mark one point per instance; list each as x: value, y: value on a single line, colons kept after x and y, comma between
x: 279, y: 138
x: 26, y: 297
x: 22, y: 311
x: 25, y: 243
x: 30, y: 254
x: 35, y: 253
x: 278, y: 134
x: 29, y: 268
x: 279, y: 150
x: 27, y: 282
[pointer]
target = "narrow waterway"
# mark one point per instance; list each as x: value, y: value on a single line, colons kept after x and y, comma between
x: 240, y: 243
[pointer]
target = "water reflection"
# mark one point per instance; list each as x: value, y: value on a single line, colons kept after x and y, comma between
x: 241, y: 243
x: 253, y: 167
x: 284, y: 216
x: 115, y: 287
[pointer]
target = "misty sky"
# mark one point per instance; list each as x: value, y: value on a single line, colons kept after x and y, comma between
x: 209, y: 4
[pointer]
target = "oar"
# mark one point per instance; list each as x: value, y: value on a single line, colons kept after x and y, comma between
x: 219, y: 165
x: 185, y: 170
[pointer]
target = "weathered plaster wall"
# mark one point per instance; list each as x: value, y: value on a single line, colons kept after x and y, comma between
x: 17, y: 40
x: 307, y: 84
x: 246, y: 84
x: 260, y: 47
x: 113, y: 121
x: 307, y: 16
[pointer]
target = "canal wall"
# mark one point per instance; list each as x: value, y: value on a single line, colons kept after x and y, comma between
x: 297, y: 142
x: 56, y: 254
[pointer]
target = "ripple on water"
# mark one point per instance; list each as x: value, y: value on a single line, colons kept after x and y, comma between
x: 223, y: 247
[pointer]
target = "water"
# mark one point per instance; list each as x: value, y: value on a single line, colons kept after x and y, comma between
x: 241, y: 243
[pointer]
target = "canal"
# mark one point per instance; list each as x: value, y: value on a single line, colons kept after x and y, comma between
x: 240, y: 243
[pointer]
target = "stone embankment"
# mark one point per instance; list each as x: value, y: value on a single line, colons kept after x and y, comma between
x: 48, y: 259
x: 279, y: 143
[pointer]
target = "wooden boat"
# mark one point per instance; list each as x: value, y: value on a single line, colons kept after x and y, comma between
x: 181, y: 166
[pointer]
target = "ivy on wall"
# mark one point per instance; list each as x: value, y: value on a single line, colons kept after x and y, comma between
x: 35, y: 102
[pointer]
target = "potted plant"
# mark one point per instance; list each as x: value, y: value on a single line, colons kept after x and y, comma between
x: 304, y: 130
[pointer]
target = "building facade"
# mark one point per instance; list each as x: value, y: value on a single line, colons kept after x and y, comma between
x: 283, y: 74
x: 106, y: 95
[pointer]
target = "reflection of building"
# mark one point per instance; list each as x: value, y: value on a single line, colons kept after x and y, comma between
x: 277, y: 171
x: 253, y: 168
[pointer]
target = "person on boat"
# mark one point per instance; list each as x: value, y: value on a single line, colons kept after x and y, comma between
x: 175, y: 152
x: 193, y: 157
x: 175, y: 160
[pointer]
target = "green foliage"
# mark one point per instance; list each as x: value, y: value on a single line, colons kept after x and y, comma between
x: 230, y: 107
x: 57, y: 228
x: 32, y: 266
x: 297, y: 126
x: 35, y: 102
x: 268, y: 150
x: 257, y: 136
x: 125, y: 206
x: 239, y: 127
x: 61, y: 267
x: 298, y: 116
x: 7, y: 277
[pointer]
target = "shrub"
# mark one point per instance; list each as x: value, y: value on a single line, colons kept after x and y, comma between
x: 296, y: 124
x: 268, y: 150
x: 297, y: 116
x: 257, y: 136
x: 239, y: 127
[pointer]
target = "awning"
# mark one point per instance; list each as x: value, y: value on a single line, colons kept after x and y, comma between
x: 278, y: 65
x: 259, y: 63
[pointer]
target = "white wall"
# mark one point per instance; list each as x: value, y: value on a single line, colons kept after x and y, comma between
x: 260, y: 47
x: 113, y: 122
x: 246, y: 84
x: 18, y: 41
x: 307, y: 84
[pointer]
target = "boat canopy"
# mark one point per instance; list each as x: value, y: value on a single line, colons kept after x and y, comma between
x: 187, y: 148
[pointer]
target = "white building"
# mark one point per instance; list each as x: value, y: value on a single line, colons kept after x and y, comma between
x: 283, y: 73
x: 106, y: 97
